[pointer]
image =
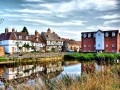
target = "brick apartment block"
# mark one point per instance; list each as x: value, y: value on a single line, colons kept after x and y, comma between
x: 101, y: 41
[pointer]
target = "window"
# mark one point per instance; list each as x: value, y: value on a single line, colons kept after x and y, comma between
x: 106, y: 45
x: 89, y: 45
x: 98, y: 45
x: 106, y: 50
x: 85, y: 36
x: 27, y: 37
x: 88, y: 50
x: 84, y: 50
x: 113, y: 34
x: 36, y: 39
x: 98, y: 34
x: 89, y: 35
x: 106, y: 34
x: 84, y: 45
x: 113, y: 45
x: 20, y: 37
x: 113, y: 51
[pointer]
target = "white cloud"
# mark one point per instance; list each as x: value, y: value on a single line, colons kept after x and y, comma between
x: 15, y: 15
x: 100, y: 5
x: 113, y: 16
x: 73, y: 22
x: 111, y: 22
x: 34, y: 11
x: 102, y: 27
x: 33, y: 0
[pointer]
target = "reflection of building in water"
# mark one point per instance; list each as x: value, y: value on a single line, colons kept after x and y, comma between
x: 88, y: 67
x: 53, y: 67
x: 28, y: 70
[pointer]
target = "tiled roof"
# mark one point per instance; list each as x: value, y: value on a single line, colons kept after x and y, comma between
x: 51, y: 36
x: 17, y: 35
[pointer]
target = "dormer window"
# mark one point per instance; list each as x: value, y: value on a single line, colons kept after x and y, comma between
x: 113, y: 34
x: 36, y: 39
x: 20, y: 37
x: 89, y: 35
x: 26, y: 37
x: 94, y: 35
x: 84, y: 35
x: 106, y: 34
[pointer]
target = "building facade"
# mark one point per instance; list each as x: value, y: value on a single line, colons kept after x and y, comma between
x: 14, y: 41
x: 52, y: 41
x: 101, y: 41
x: 71, y: 45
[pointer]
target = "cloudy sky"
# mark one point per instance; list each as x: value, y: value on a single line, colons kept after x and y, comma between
x: 68, y: 18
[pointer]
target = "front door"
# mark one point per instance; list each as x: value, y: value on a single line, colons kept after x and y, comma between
x: 12, y: 49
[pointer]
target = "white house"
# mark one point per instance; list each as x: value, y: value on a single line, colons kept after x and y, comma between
x: 14, y: 42
x: 52, y: 41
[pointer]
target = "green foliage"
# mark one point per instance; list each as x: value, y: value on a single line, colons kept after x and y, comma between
x: 108, y: 57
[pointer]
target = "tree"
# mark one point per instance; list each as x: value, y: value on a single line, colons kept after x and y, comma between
x: 1, y: 20
x: 25, y: 30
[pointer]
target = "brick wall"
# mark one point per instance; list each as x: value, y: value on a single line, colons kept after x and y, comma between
x: 88, y: 44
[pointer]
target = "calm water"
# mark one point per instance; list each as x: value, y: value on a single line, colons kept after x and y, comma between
x: 28, y: 73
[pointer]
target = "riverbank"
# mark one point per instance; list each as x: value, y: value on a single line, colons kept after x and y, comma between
x: 100, y: 57
x: 32, y: 57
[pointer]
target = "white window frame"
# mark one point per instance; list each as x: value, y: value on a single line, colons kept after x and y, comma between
x: 106, y: 45
x: 113, y: 34
x: 84, y: 45
x: 113, y: 45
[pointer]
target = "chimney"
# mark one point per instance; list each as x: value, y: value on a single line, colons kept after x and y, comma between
x: 6, y: 30
x: 36, y: 33
x: 49, y: 31
x: 13, y: 30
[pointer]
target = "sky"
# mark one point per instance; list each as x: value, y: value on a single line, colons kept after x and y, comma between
x: 68, y: 18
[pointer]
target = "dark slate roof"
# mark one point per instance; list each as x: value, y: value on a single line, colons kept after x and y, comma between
x: 108, y: 31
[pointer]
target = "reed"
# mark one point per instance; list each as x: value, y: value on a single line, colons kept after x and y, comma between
x: 108, y: 79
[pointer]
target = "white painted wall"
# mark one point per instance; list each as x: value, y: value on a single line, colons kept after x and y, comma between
x: 99, y: 40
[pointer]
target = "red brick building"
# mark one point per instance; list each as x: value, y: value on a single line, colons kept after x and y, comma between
x: 101, y: 41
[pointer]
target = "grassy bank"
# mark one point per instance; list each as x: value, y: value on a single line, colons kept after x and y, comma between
x: 108, y: 57
x: 109, y: 79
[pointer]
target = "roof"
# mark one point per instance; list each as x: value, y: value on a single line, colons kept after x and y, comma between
x: 101, y: 31
x: 92, y: 33
x: 16, y: 36
x: 71, y: 42
x: 52, y: 36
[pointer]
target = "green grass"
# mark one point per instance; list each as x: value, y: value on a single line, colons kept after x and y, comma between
x: 2, y: 59
x: 107, y: 57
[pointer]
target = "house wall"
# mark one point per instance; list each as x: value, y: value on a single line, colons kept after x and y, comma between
x: 1, y: 50
x: 107, y: 43
x: 110, y: 44
x: 88, y: 44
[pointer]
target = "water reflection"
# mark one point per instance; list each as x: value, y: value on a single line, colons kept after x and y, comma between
x: 28, y: 73
x: 46, y: 71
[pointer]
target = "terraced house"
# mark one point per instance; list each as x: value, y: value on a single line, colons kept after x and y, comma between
x: 52, y: 41
x: 101, y: 41
x: 14, y: 41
